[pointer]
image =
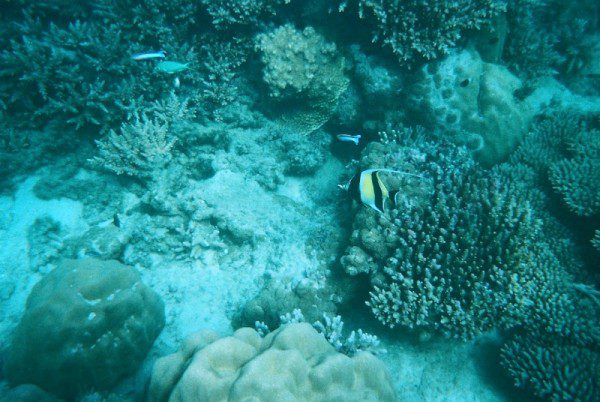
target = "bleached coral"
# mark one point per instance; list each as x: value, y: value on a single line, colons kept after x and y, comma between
x: 332, y: 329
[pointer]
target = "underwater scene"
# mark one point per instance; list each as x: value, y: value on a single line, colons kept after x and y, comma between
x: 299, y: 200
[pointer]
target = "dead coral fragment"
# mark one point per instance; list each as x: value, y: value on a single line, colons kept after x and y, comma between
x: 137, y: 150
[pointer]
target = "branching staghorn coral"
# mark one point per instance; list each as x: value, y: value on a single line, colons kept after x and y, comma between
x: 563, y: 150
x: 53, y: 73
x: 554, y: 371
x: 424, y: 30
x: 138, y: 149
x: 552, y: 37
x: 228, y: 13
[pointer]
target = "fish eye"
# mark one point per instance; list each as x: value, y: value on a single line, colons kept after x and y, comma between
x: 465, y: 82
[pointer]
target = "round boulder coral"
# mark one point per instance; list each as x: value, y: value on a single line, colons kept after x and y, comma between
x: 293, y: 363
x: 87, y: 324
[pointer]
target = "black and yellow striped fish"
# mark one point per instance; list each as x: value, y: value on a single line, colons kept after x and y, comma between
x: 367, y: 187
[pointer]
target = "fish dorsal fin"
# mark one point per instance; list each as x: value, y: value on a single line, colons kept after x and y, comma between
x: 391, y: 171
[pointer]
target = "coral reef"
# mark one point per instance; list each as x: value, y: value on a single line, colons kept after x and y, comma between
x: 276, y: 299
x: 557, y: 356
x: 87, y: 324
x: 227, y: 13
x: 564, y: 153
x: 416, y: 30
x: 554, y: 38
x: 458, y: 261
x: 554, y: 372
x: 299, y: 362
x: 463, y: 97
x: 140, y: 149
x: 304, y: 75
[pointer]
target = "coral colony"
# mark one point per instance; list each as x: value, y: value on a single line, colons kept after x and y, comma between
x: 288, y: 200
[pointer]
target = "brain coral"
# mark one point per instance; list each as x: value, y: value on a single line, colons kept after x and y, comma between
x: 304, y: 75
x: 87, y: 324
x: 293, y: 363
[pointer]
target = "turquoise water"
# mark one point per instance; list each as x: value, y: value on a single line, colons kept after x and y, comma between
x: 286, y: 200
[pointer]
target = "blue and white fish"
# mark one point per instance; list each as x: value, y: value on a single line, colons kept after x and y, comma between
x: 149, y: 56
x: 349, y: 138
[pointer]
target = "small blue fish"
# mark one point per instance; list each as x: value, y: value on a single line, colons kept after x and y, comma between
x: 149, y: 56
x: 349, y: 138
x: 171, y: 67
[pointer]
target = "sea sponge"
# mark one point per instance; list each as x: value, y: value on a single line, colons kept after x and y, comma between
x: 293, y: 363
x: 304, y: 75
x: 87, y: 324
x: 462, y: 95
